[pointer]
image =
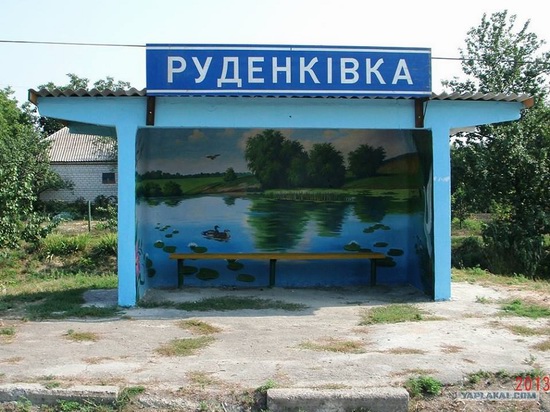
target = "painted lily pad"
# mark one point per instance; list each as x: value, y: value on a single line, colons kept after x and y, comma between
x: 151, y: 272
x: 369, y: 229
x: 395, y: 252
x: 148, y: 263
x: 168, y: 235
x: 169, y: 249
x: 188, y: 270
x: 387, y: 262
x: 380, y: 244
x: 378, y: 226
x: 199, y: 249
x: 244, y: 277
x: 175, y: 232
x: 352, y: 246
x: 207, y: 274
x: 234, y: 265
x: 159, y: 244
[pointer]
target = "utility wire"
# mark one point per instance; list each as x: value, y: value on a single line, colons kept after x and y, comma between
x: 61, y: 43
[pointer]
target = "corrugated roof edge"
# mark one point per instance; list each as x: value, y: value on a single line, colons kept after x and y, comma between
x: 528, y: 101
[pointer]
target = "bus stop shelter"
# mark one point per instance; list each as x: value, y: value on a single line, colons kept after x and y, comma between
x: 193, y: 176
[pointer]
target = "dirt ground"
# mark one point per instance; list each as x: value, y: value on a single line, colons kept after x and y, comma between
x: 264, y: 348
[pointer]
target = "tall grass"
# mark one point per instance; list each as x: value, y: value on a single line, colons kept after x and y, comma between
x: 63, y: 245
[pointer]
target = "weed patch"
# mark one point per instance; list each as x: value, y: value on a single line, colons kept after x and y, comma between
x: 81, y: 336
x: 423, y: 386
x: 334, y: 345
x: 391, y: 314
x: 185, y: 347
x: 198, y: 327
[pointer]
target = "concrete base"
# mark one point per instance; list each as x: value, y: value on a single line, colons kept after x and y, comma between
x: 324, y: 400
x: 39, y: 395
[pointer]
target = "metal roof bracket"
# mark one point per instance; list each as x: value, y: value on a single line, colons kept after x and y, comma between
x: 150, y: 115
x: 419, y: 112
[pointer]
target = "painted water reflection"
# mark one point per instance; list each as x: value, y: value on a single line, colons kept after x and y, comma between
x: 255, y: 223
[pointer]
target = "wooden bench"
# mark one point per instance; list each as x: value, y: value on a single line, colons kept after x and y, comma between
x: 274, y: 256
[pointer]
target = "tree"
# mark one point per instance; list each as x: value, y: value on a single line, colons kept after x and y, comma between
x: 230, y: 175
x: 326, y: 166
x: 171, y: 189
x: 24, y: 173
x: 505, y: 168
x: 365, y: 160
x: 276, y: 161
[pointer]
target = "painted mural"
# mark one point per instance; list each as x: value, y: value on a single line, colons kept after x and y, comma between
x: 287, y: 190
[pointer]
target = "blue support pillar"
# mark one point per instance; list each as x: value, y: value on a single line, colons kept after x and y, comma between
x: 441, y: 213
x: 126, y: 135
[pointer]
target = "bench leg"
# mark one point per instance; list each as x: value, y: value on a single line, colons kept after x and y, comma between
x: 272, y: 264
x: 180, y: 273
x: 373, y: 272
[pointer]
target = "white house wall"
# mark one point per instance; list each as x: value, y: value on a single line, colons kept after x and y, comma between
x: 87, y: 181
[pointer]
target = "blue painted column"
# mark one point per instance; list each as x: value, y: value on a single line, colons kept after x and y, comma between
x: 441, y: 212
x: 126, y: 135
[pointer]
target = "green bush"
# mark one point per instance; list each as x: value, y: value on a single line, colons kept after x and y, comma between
x: 512, y: 248
x: 469, y: 253
x: 423, y: 386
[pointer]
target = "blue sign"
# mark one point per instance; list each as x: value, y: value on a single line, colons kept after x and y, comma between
x: 183, y: 70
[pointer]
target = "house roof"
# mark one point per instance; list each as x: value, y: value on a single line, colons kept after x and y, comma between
x: 527, y: 100
x: 67, y: 147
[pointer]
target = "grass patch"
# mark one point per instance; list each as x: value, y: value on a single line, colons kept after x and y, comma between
x: 518, y: 308
x: 185, y: 347
x: 66, y: 304
x: 198, y: 327
x: 81, y: 336
x: 9, y: 331
x: 446, y: 348
x: 414, y: 371
x: 483, y: 277
x: 334, y: 345
x: 269, y: 384
x: 406, y: 351
x: 202, y: 379
x: 527, y: 331
x: 543, y: 346
x: 126, y: 395
x: 391, y: 314
x: 227, y: 303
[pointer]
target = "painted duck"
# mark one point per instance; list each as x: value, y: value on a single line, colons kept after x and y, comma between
x: 215, y: 234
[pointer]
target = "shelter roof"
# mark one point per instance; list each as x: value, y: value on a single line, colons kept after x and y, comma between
x: 527, y: 100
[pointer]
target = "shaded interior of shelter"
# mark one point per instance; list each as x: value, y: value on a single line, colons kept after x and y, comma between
x: 199, y: 190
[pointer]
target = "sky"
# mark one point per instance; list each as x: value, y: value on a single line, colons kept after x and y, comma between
x: 439, y: 25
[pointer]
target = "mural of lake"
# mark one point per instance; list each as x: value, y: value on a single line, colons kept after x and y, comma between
x: 204, y: 191
x: 254, y: 223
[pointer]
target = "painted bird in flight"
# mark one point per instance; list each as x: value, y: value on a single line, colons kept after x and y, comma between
x: 212, y: 157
